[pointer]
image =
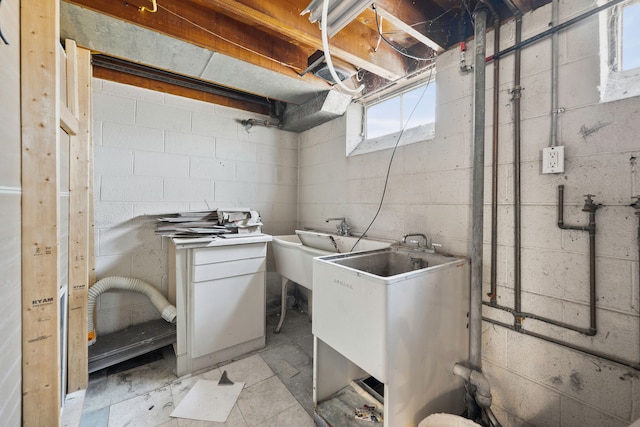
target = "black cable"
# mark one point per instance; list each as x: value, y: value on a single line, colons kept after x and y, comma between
x: 2, y: 35
x: 393, y: 153
x: 397, y: 49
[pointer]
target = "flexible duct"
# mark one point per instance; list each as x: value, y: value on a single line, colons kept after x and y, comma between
x: 167, y: 310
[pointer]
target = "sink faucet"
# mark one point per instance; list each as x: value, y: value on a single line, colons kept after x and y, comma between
x: 433, y: 247
x: 424, y: 238
x: 343, y: 228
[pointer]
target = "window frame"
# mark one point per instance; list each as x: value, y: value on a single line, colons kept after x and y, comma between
x: 615, y: 83
x: 412, y: 135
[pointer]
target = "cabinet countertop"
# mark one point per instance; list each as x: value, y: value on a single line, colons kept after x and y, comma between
x: 219, y: 241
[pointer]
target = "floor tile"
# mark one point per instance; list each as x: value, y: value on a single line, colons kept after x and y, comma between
x: 292, y: 417
x: 235, y: 420
x: 264, y: 400
x: 140, y: 380
x: 95, y: 418
x: 250, y: 370
x: 147, y: 410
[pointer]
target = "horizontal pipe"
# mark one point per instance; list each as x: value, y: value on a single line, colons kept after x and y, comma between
x: 151, y: 73
x: 591, y: 331
x: 607, y: 357
x: 553, y: 30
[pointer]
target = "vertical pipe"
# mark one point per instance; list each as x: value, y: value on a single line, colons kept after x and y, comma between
x: 475, y: 313
x: 592, y: 269
x: 517, y: 90
x: 554, y: 76
x: 494, y: 167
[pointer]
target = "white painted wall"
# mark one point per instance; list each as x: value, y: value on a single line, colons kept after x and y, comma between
x: 158, y: 153
x: 10, y: 226
x: 534, y: 382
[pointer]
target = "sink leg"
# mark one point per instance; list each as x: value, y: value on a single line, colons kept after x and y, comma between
x: 283, y: 309
x: 310, y: 304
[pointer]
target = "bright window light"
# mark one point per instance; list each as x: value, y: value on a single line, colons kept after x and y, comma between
x: 410, y: 109
x: 631, y: 36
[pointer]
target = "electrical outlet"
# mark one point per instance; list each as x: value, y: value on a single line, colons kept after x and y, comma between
x: 553, y: 159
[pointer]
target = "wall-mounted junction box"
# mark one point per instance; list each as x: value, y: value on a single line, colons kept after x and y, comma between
x: 553, y: 159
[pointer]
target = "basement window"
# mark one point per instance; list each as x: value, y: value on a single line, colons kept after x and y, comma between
x: 620, y: 51
x: 408, y: 114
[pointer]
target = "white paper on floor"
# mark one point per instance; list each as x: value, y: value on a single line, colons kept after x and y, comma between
x: 208, y: 401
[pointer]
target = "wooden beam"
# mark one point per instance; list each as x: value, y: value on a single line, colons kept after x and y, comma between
x: 394, y: 20
x: 77, y: 368
x: 68, y: 121
x: 353, y: 44
x: 72, y: 77
x: 39, y: 21
x: 204, y: 27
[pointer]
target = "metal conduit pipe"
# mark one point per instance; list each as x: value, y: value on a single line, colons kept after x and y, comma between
x: 493, y: 294
x: 590, y: 207
x: 477, y: 205
x: 553, y: 30
x: 475, y: 313
x: 517, y: 93
x: 607, y: 357
x: 519, y: 315
x: 554, y: 75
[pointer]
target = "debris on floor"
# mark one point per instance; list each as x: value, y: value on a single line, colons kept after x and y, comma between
x: 209, y: 401
x: 368, y: 413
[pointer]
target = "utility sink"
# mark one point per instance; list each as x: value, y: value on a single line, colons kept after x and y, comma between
x: 399, y: 315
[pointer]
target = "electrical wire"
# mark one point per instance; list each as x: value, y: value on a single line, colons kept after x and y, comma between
x: 394, y: 47
x: 327, y: 53
x: 293, y: 67
x: 393, y: 154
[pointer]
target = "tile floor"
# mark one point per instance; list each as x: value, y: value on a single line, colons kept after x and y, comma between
x: 277, y: 392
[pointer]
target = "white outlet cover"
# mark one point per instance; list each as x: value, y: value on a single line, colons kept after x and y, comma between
x: 553, y: 159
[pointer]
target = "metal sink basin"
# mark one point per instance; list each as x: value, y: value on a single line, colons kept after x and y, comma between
x: 399, y: 315
x: 390, y: 262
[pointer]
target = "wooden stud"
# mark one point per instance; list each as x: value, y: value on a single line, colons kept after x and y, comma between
x: 68, y: 122
x: 39, y: 21
x: 72, y: 76
x: 79, y: 224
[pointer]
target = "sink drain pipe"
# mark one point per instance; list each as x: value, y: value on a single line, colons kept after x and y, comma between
x: 167, y: 310
x: 477, y: 395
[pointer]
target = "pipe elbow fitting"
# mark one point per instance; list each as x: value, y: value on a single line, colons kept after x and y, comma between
x: 482, y: 393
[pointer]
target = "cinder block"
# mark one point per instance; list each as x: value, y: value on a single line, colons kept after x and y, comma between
x: 191, y: 144
x: 364, y: 190
x: 270, y: 193
x: 211, y: 168
x: 155, y: 208
x: 554, y: 273
x: 113, y: 214
x: 536, y: 58
x: 179, y: 189
x: 576, y: 413
x: 275, y: 155
x: 234, y: 192
x: 131, y: 188
x: 213, y: 125
x: 161, y: 164
x: 580, y: 40
x: 571, y: 374
x: 132, y: 137
x: 494, y: 344
x: 124, y: 241
x: 148, y: 264
x: 454, y: 117
x: 535, y: 95
x: 113, y: 161
x: 131, y: 92
x: 539, y: 227
x: 112, y: 265
x: 574, y: 92
x: 453, y: 221
x: 111, y: 108
x: 162, y: 117
x: 526, y: 399
x: 234, y: 150
x: 188, y: 104
x: 456, y: 188
x: 445, y: 153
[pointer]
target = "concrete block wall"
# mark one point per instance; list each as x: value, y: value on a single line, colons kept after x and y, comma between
x: 533, y: 382
x: 159, y: 153
x: 10, y: 226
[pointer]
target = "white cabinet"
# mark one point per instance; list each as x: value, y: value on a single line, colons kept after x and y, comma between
x: 219, y: 292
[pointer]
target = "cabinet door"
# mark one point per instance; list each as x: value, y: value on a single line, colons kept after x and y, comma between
x: 226, y: 312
